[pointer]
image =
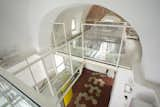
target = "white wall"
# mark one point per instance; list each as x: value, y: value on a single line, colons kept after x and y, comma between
x: 67, y: 15
x: 46, y: 23
x: 142, y: 14
x: 15, y: 35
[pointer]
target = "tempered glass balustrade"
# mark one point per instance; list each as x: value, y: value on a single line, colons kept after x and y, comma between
x: 100, y: 43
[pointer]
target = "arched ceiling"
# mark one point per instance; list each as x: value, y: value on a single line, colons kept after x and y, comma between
x: 143, y: 15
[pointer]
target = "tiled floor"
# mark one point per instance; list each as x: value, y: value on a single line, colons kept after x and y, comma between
x: 91, y: 90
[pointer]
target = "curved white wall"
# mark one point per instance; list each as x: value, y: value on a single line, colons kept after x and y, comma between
x: 15, y: 33
x: 142, y: 14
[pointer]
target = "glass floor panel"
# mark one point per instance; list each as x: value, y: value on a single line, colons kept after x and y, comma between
x: 10, y: 96
x: 102, y: 52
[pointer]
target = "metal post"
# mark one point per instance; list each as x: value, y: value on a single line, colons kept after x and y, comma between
x: 31, y: 72
x: 70, y: 57
x: 53, y: 55
x: 68, y: 49
x: 83, y: 51
x: 47, y: 77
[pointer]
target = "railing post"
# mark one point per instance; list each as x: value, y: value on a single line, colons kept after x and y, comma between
x: 31, y: 72
x: 82, y: 40
x: 68, y: 49
x: 47, y: 77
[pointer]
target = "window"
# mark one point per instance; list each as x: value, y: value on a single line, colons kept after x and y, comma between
x: 73, y: 25
x: 59, y: 63
x: 75, y: 29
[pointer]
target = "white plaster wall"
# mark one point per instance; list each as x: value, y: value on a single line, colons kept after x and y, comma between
x: 144, y: 15
x: 15, y: 34
x: 66, y: 18
x: 67, y: 15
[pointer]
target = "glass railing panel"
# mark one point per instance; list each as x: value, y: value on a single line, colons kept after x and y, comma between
x: 63, y: 70
x: 76, y: 46
x: 59, y: 34
x: 102, y: 42
x: 26, y: 77
x: 132, y: 51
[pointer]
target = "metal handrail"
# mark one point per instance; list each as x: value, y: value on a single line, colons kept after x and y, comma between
x: 54, y: 51
x: 107, y: 25
x: 30, y: 64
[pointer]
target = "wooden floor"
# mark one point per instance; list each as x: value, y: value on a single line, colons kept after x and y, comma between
x: 91, y: 90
